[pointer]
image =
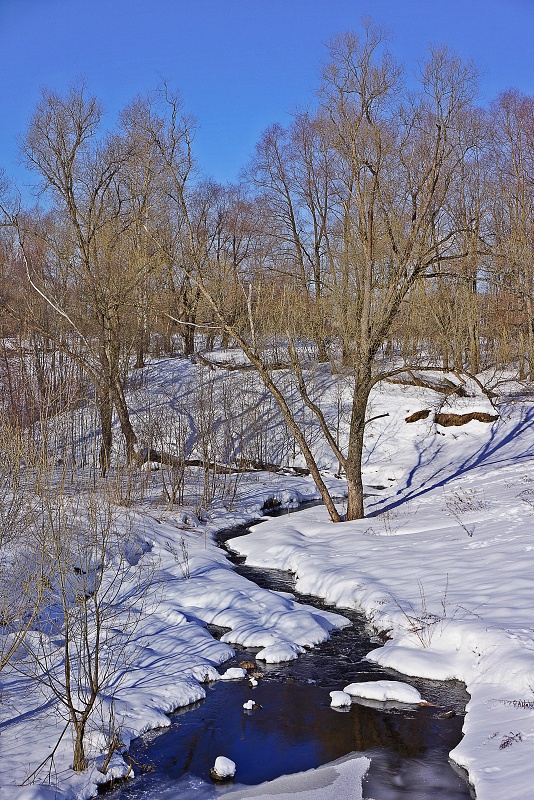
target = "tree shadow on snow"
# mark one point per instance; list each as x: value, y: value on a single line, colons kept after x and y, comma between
x: 494, y: 452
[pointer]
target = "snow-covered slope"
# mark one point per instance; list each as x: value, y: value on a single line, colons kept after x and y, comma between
x: 443, y: 565
x: 442, y: 562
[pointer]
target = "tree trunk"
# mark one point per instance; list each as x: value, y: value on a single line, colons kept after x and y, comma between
x: 105, y: 410
x: 79, y: 762
x: 445, y: 353
x: 322, y: 350
x: 128, y: 432
x: 355, y: 509
x: 353, y: 464
x: 474, y: 339
x: 521, y: 354
x: 188, y: 337
x: 530, y: 329
x: 140, y: 352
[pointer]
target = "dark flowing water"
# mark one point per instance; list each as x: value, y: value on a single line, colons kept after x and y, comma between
x: 296, y: 729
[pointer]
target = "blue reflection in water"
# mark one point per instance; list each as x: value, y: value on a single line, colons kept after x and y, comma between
x: 293, y: 731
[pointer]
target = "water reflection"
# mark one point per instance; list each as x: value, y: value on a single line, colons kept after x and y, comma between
x: 296, y: 730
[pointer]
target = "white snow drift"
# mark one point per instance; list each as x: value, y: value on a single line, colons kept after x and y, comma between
x: 442, y: 564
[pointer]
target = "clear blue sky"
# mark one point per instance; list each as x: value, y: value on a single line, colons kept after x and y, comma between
x: 240, y: 65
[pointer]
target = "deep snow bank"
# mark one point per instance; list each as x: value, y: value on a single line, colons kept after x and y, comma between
x: 194, y: 584
x: 446, y: 571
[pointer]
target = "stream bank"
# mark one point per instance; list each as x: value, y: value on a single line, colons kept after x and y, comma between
x: 295, y: 728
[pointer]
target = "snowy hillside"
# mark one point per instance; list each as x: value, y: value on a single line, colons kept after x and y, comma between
x: 441, y: 564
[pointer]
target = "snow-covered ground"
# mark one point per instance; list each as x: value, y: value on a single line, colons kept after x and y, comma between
x: 445, y: 570
x: 340, y: 779
x: 442, y: 563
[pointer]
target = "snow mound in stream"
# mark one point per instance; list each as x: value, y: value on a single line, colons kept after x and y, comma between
x: 340, y: 699
x: 233, y: 674
x: 384, y: 691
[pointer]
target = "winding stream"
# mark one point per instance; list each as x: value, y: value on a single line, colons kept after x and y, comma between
x: 296, y: 729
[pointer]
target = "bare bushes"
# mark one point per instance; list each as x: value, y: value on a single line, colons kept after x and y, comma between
x: 23, y: 577
x: 197, y: 445
x: 83, y: 638
x: 420, y: 621
x: 460, y: 502
x: 75, y: 577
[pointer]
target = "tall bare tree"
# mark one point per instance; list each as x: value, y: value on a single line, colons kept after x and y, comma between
x: 97, y: 256
x: 392, y: 160
x: 512, y: 126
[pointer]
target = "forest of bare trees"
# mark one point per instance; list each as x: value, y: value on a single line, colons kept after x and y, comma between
x: 389, y: 226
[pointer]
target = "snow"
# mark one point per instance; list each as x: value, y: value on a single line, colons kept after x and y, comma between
x: 233, y: 674
x: 340, y: 699
x: 339, y: 780
x: 442, y: 564
x: 384, y: 691
x: 28, y: 792
x: 224, y: 767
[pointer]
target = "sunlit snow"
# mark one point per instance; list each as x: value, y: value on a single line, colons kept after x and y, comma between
x: 383, y: 691
x: 441, y: 564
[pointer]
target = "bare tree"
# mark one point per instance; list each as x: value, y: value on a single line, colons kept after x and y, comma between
x: 512, y: 126
x: 292, y: 171
x: 84, y: 637
x: 396, y: 166
x: 389, y: 221
x: 97, y: 255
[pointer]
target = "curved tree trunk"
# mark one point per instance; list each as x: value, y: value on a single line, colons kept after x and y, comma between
x: 130, y: 437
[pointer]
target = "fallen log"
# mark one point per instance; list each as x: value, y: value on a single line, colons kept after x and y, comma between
x: 448, y: 420
x: 241, y: 465
x: 417, y: 415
